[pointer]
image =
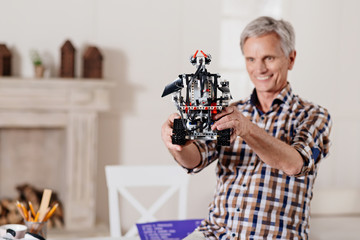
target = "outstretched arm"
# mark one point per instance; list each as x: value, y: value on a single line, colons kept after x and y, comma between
x: 271, y: 150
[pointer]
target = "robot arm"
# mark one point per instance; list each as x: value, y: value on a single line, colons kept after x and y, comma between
x: 173, y: 87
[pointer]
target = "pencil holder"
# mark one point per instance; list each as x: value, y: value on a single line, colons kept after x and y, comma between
x: 39, y: 228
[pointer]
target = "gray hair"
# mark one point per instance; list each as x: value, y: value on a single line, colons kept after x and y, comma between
x: 265, y: 25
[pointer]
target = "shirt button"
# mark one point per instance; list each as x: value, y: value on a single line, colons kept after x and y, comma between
x: 244, y: 185
x: 238, y: 209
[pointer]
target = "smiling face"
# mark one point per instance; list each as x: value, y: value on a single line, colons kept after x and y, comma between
x: 267, y: 65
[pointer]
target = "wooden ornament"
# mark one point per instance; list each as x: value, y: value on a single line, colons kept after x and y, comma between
x: 92, y: 63
x: 67, y: 68
x: 5, y: 61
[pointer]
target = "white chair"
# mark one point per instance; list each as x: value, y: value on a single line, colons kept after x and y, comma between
x: 119, y: 178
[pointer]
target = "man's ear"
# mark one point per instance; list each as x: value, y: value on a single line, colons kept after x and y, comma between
x: 291, y: 59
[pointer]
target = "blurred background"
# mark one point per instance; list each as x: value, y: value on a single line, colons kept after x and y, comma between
x: 147, y: 44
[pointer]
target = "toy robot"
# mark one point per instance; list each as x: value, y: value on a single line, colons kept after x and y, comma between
x: 205, y: 95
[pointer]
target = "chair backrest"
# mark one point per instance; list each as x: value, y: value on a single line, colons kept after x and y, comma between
x: 119, y: 178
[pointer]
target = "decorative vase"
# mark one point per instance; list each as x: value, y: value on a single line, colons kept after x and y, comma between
x: 39, y: 71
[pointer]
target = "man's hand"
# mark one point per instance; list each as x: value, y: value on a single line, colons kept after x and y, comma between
x: 166, y: 133
x: 231, y: 118
x: 187, y: 155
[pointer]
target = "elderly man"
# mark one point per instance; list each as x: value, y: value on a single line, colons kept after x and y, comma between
x: 265, y: 177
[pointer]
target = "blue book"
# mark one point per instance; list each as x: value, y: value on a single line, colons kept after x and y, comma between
x: 163, y: 230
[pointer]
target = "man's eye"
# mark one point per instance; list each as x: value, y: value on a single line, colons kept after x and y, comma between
x: 269, y: 58
x: 250, y: 59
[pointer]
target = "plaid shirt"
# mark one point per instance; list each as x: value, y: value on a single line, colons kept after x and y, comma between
x: 254, y: 200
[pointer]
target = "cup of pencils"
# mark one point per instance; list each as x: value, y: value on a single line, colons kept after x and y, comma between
x: 38, y: 228
x: 36, y: 221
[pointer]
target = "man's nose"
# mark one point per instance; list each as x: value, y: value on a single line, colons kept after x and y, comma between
x: 261, y: 67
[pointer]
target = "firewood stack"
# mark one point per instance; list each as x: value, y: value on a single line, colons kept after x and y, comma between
x: 28, y: 193
x: 8, y: 212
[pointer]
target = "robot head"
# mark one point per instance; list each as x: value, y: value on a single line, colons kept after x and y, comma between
x: 198, y: 60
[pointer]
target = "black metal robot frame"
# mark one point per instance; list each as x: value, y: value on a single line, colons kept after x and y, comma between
x: 200, y: 103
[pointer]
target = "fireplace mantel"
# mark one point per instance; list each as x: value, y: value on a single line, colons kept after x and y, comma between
x: 72, y: 104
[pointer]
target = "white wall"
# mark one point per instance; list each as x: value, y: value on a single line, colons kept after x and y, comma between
x: 146, y: 44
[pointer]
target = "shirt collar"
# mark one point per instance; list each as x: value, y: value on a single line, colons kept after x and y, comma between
x: 285, y: 96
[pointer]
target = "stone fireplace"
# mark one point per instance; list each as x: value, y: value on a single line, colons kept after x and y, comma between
x: 65, y: 110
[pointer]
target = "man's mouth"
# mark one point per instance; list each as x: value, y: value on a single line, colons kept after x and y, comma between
x: 263, y: 78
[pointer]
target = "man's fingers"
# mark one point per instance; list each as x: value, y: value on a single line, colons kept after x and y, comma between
x: 173, y: 116
x: 222, y: 121
x: 225, y: 111
x: 168, y: 131
x: 225, y: 125
x: 172, y: 146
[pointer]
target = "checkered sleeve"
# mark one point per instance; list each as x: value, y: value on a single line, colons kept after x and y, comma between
x: 208, y: 152
x: 311, y: 137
